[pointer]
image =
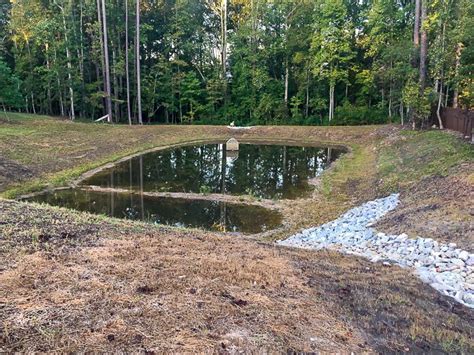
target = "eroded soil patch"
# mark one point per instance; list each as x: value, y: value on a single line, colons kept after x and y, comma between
x: 13, y: 171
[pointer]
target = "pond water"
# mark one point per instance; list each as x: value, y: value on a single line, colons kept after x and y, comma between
x: 211, y: 215
x: 265, y: 171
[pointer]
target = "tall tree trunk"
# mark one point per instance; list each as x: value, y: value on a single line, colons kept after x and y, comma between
x: 306, y: 110
x: 390, y: 103
x: 224, y: 50
x: 438, y: 109
x: 60, y: 92
x: 446, y: 95
x: 423, y: 46
x: 137, y: 55
x: 416, y: 44
x: 5, y: 111
x: 382, y: 92
x: 69, y: 75
x: 33, y: 103
x: 108, y: 98
x: 401, y: 113
x: 331, y: 102
x: 48, y: 66
x: 81, y: 57
x: 287, y: 26
x: 180, y: 106
x: 287, y: 79
x: 30, y: 59
x: 441, y: 81
x: 456, y: 72
x: 101, y: 40
x: 116, y: 86
x: 416, y: 29
x: 224, y: 39
x: 69, y: 65
x: 390, y: 91
x: 127, y: 64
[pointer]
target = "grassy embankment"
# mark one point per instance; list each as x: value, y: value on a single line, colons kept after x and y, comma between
x: 40, y: 152
x: 55, y: 152
x: 51, y: 153
x: 76, y: 282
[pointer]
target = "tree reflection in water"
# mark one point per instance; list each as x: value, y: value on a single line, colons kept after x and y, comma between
x: 213, y: 215
x: 264, y: 171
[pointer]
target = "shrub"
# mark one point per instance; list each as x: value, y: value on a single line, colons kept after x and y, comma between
x: 348, y: 114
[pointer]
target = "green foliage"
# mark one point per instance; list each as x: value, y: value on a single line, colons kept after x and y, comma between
x: 348, y: 114
x: 331, y: 43
x: 9, y: 89
x: 205, y: 190
x: 284, y: 58
x: 419, y: 102
x: 465, y: 74
x: 295, y: 109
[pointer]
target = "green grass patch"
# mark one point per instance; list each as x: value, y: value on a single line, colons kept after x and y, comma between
x: 420, y: 154
x: 356, y: 166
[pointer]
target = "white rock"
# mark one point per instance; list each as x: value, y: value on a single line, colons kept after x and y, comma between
x: 458, y: 262
x: 468, y: 286
x: 468, y: 298
x: 428, y: 261
x: 441, y: 287
x: 463, y: 255
x: 447, y: 268
x: 375, y: 259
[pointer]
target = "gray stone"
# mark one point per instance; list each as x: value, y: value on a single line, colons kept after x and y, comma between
x: 232, y: 144
x: 449, y: 254
x: 468, y: 286
x: 441, y: 287
x: 468, y: 298
x: 428, y: 261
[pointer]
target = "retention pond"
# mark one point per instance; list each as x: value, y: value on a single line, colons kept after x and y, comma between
x: 262, y: 171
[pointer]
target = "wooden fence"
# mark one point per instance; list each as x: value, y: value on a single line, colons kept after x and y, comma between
x: 458, y: 120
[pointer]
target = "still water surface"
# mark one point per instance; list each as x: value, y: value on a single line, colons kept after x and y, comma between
x: 211, y: 215
x: 263, y: 171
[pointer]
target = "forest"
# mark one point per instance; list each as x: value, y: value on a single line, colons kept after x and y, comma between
x: 248, y: 61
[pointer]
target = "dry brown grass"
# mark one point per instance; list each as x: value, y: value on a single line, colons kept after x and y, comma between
x: 163, y: 291
x: 127, y: 286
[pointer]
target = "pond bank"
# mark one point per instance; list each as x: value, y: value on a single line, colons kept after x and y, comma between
x: 445, y: 267
x: 74, y: 281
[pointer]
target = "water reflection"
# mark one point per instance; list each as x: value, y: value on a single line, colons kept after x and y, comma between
x: 212, y: 215
x: 267, y: 171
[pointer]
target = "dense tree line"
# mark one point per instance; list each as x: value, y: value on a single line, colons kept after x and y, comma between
x: 248, y: 61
